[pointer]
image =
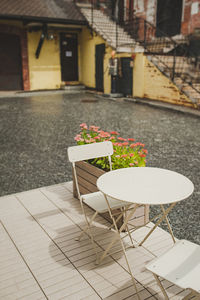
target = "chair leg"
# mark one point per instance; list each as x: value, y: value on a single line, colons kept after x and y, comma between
x: 127, y: 229
x: 117, y: 220
x: 118, y: 231
x: 161, y: 287
x: 114, y: 240
x: 89, y: 230
x: 86, y: 227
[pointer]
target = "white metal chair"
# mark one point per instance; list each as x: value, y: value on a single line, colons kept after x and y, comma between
x: 181, y: 266
x: 95, y: 200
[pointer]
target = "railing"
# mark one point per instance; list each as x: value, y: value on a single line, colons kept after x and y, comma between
x: 178, y: 59
x: 174, y: 57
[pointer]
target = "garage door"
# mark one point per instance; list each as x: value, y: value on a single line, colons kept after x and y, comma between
x: 10, y: 62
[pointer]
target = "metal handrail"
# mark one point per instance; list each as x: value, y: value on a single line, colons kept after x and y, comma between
x: 155, y: 43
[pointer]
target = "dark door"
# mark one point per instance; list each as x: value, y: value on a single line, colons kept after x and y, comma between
x: 126, y: 79
x: 69, y: 57
x: 99, y: 59
x: 121, y: 11
x: 169, y: 14
x: 10, y: 62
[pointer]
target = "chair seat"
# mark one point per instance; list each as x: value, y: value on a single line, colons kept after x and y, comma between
x: 97, y: 202
x: 179, y: 265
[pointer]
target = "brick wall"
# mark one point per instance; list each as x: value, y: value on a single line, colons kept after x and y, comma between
x: 190, y: 13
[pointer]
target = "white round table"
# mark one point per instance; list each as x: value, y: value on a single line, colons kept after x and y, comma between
x: 145, y: 185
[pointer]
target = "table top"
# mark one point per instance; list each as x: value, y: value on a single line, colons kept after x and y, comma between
x: 145, y: 185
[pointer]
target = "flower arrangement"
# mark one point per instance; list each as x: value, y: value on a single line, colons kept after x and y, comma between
x: 127, y: 153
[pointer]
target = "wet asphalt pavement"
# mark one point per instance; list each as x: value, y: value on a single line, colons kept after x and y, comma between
x: 35, y: 132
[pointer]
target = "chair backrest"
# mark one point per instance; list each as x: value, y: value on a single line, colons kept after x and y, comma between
x: 90, y: 151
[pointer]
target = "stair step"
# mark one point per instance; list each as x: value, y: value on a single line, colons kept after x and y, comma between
x: 106, y: 27
x: 184, y: 69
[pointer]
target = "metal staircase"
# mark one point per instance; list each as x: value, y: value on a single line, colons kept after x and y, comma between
x: 108, y: 29
x: 173, y: 56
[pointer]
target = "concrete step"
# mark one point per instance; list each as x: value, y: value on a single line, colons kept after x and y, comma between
x: 78, y: 87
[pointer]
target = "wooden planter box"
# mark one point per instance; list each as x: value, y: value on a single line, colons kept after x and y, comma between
x: 87, y: 176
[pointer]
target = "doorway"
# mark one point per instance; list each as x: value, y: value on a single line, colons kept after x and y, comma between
x: 168, y: 17
x: 10, y: 63
x: 126, y: 79
x: 69, y: 56
x: 99, y: 66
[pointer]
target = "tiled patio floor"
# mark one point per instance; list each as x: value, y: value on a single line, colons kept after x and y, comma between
x: 40, y: 259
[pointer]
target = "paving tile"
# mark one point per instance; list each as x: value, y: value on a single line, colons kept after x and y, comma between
x: 91, y: 297
x: 65, y: 268
x: 75, y: 280
x: 57, y: 278
x: 70, y: 291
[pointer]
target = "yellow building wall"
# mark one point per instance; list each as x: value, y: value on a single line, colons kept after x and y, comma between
x: 87, y: 60
x: 150, y: 83
x: 44, y: 72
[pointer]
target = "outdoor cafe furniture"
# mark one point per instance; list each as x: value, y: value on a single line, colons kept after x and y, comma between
x: 146, y: 186
x: 127, y: 189
x: 96, y: 200
x: 181, y: 266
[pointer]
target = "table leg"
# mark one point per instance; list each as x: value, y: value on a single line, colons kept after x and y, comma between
x: 168, y: 224
x: 165, y: 213
x: 118, y: 231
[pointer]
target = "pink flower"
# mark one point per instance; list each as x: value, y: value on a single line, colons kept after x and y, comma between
x: 83, y: 126
x: 145, y: 151
x: 103, y: 134
x: 131, y: 154
x: 112, y: 138
x: 94, y: 128
x: 131, y: 164
x: 77, y: 137
x: 133, y: 145
x: 97, y: 137
x: 140, y: 144
x: 125, y: 144
x: 136, y: 162
x: 121, y: 139
x: 118, y: 156
x: 114, y: 132
x: 92, y: 140
x: 131, y: 140
x: 119, y: 144
x: 124, y: 155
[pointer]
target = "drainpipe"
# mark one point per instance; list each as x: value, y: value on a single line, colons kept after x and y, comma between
x: 41, y: 41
